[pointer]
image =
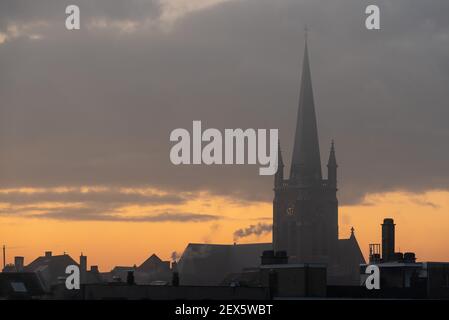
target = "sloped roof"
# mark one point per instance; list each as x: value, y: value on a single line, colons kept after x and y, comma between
x: 50, y: 268
x: 350, y: 251
x: 20, y: 284
x: 52, y: 261
x: 210, y: 263
x: 153, y: 263
x: 122, y: 269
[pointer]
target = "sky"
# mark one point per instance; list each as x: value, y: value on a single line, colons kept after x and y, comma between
x: 85, y: 119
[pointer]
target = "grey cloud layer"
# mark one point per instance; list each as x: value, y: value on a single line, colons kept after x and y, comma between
x: 88, y: 214
x: 99, y: 205
x: 26, y: 11
x: 97, y: 107
x: 102, y: 212
x: 110, y: 196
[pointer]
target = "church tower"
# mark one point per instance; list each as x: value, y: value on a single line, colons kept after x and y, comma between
x: 305, y: 206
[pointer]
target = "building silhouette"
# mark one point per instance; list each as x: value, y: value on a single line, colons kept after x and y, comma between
x: 305, y: 206
x: 209, y: 264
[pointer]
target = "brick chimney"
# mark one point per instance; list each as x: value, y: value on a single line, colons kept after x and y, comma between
x: 19, y: 263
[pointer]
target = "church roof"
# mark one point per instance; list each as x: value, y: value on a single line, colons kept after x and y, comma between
x: 210, y: 263
x: 350, y: 250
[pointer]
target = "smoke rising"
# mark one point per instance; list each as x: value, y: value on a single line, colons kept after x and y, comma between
x: 257, y: 230
x: 175, y: 256
x: 212, y: 230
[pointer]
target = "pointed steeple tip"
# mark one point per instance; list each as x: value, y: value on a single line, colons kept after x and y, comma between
x: 306, y: 163
x: 306, y: 38
x: 332, y: 159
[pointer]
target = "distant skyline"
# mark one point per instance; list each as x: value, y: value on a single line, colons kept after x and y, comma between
x: 85, y: 119
x: 108, y: 244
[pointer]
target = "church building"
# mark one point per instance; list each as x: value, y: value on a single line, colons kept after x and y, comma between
x: 305, y: 216
x: 305, y: 206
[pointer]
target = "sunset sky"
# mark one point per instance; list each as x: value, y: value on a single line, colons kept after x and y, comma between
x: 85, y: 119
x: 422, y: 226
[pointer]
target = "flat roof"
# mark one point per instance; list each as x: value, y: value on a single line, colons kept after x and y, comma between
x: 293, y: 265
x: 396, y: 264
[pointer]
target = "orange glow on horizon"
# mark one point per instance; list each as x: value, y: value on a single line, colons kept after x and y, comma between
x: 422, y: 226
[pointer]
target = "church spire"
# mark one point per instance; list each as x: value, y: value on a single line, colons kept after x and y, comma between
x: 332, y: 167
x: 332, y: 159
x: 306, y: 163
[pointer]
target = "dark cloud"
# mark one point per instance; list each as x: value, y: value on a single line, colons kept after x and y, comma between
x: 109, y: 196
x: 97, y: 213
x: 53, y: 11
x: 86, y: 215
x: 96, y: 107
x: 98, y: 204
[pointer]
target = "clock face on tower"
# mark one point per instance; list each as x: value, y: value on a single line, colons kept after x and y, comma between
x: 291, y: 209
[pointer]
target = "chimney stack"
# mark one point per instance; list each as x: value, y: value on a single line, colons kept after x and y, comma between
x: 271, y: 257
x: 83, y: 262
x: 47, y: 254
x: 130, y: 278
x: 83, y: 268
x: 19, y: 263
x: 388, y: 240
x: 94, y: 269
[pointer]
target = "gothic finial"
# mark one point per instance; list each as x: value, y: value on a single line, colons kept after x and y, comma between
x: 332, y: 160
x: 352, y: 231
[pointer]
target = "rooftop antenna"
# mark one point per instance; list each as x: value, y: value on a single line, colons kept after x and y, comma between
x: 4, y: 256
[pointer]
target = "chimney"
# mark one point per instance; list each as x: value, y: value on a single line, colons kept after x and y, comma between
x: 19, y: 263
x: 130, y: 278
x: 94, y: 269
x: 281, y: 257
x: 388, y: 240
x: 83, y: 262
x: 268, y: 257
x: 83, y: 268
x: 374, y: 253
x: 47, y: 254
x: 409, y: 257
